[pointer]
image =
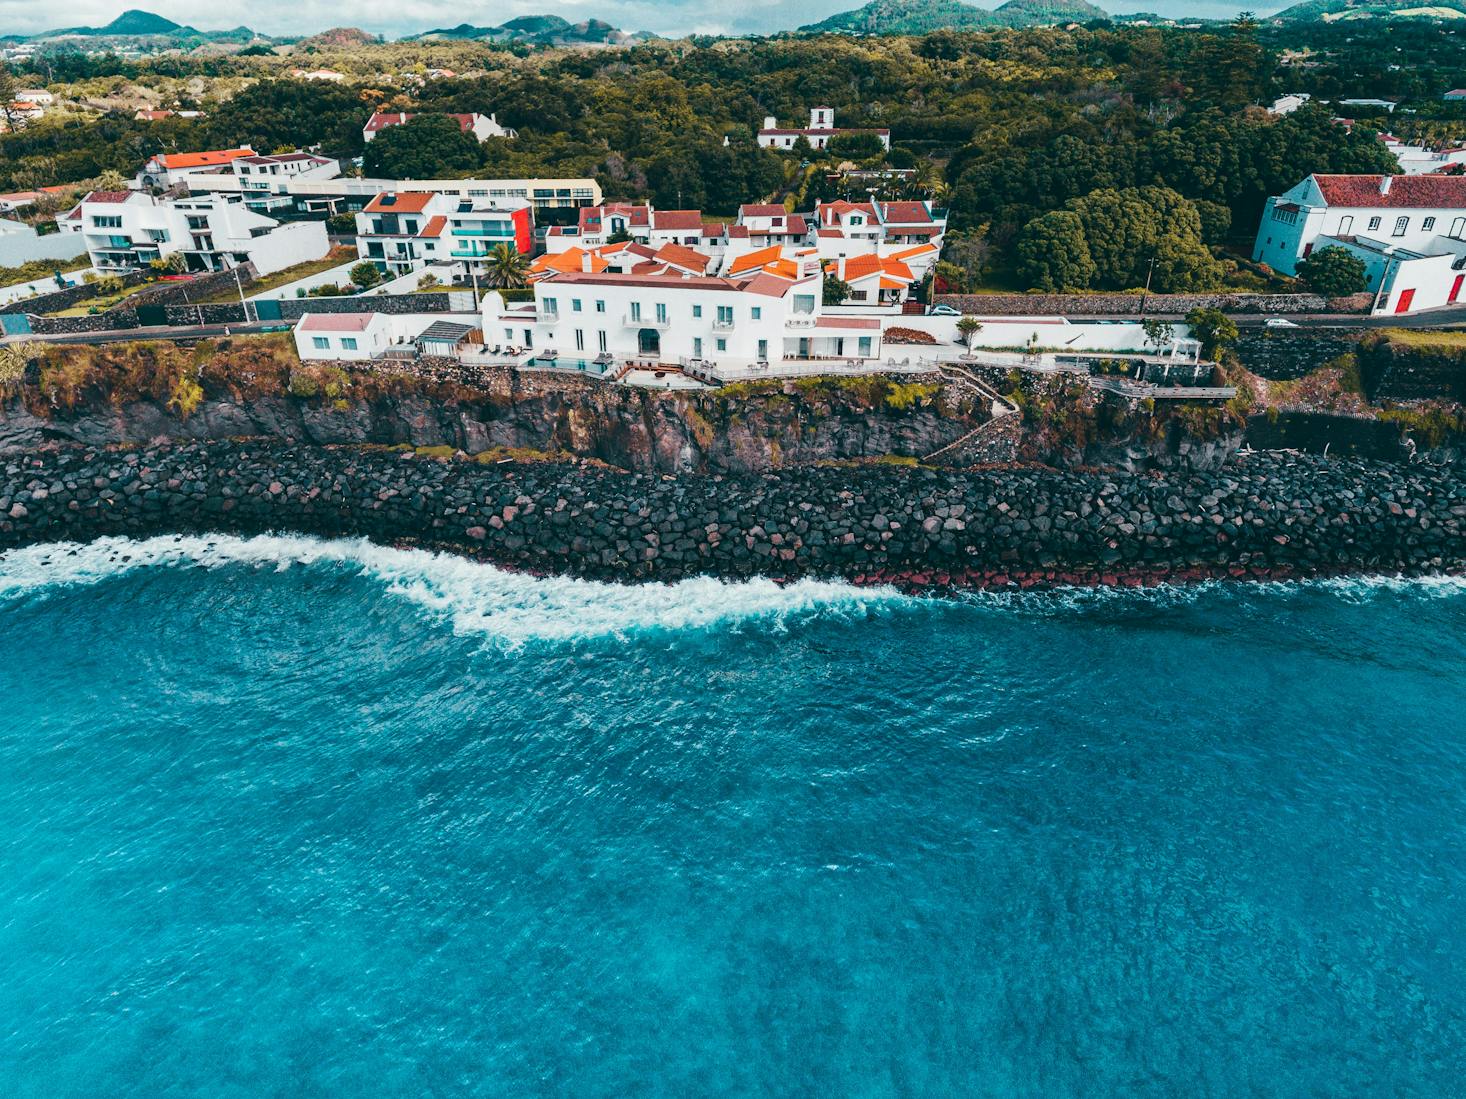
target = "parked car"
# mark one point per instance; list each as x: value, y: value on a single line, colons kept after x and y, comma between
x: 943, y: 311
x: 1280, y: 322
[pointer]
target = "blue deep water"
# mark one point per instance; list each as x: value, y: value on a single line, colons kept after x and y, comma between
x: 281, y: 817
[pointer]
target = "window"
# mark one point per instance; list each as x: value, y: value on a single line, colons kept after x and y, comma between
x: 552, y: 305
x: 1287, y: 215
x: 1346, y: 226
x: 1374, y: 223
x: 696, y: 311
x: 725, y: 314
x: 763, y: 350
x: 575, y: 305
x: 1458, y: 227
x: 509, y: 334
x: 1401, y: 224
x: 579, y: 340
x: 1428, y: 224
x: 865, y: 347
x: 804, y: 303
x: 721, y: 344
x: 661, y: 313
x: 107, y: 221
x: 757, y: 312
x: 697, y: 347
x: 158, y: 236
x: 348, y: 343
x: 320, y: 343
x: 601, y: 340
x: 600, y: 307
x: 529, y: 337
x: 636, y: 310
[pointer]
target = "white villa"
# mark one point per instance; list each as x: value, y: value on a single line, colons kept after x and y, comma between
x: 672, y: 316
x: 265, y: 180
x: 168, y: 169
x: 1409, y: 230
x: 818, y: 133
x: 402, y: 231
x: 482, y: 127
x: 124, y: 230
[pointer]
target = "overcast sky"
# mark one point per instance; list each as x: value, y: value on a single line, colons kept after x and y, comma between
x: 672, y: 17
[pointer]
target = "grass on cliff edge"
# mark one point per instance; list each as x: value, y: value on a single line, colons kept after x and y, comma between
x: 1454, y: 339
x: 870, y: 389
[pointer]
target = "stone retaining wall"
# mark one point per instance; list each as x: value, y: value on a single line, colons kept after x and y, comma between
x: 64, y: 299
x: 1264, y: 516
x: 171, y: 295
x: 1006, y: 305
x: 1282, y: 354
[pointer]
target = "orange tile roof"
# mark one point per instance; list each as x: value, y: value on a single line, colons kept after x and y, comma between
x: 208, y: 159
x: 679, y: 255
x: 435, y: 226
x: 403, y: 202
x: 753, y: 260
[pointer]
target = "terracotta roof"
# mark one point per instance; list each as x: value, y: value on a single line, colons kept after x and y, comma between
x: 402, y: 202
x: 755, y: 260
x: 572, y: 259
x: 202, y: 160
x: 382, y: 120
x: 914, y: 251
x: 677, y: 219
x: 591, y: 217
x: 434, y: 227
x: 770, y: 286
x: 110, y: 196
x: 336, y: 322
x: 906, y: 213
x: 682, y: 256
x: 762, y: 210
x: 766, y: 285
x: 1406, y: 192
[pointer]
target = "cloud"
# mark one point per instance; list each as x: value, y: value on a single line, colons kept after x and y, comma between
x: 672, y: 17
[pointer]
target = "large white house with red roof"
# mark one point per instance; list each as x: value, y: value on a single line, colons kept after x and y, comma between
x: 402, y: 231
x: 1410, y: 232
x: 818, y: 133
x: 636, y: 304
x: 481, y: 126
x: 169, y: 169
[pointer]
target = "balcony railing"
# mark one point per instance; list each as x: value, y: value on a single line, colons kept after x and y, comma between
x: 801, y: 320
x: 723, y: 325
x: 661, y: 324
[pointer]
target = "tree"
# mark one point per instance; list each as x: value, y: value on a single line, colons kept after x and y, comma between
x: 428, y: 146
x: 8, y: 88
x: 505, y: 267
x: 858, y: 145
x: 1333, y: 272
x: 968, y: 328
x: 1157, y: 334
x: 1214, y: 329
x: 836, y: 290
x: 1053, y: 253
x: 365, y: 274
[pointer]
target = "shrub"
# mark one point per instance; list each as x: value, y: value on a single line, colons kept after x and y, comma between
x: 909, y: 335
x: 186, y: 396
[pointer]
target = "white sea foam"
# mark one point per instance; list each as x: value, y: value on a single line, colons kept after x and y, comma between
x: 476, y: 598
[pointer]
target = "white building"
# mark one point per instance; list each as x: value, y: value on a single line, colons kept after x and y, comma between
x: 20, y: 243
x: 38, y: 96
x: 818, y: 133
x: 402, y: 231
x: 124, y: 230
x: 1409, y: 230
x: 482, y: 127
x: 265, y: 180
x: 1287, y: 104
x: 1417, y: 160
x: 167, y: 169
x: 357, y: 337
x: 674, y: 318
x: 348, y: 193
x: 330, y: 76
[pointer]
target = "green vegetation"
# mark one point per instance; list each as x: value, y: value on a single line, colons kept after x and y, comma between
x: 365, y: 274
x: 1333, y: 272
x: 1214, y: 329
x: 42, y: 269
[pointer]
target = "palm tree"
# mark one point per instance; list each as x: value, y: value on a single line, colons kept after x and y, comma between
x: 968, y: 328
x: 505, y: 268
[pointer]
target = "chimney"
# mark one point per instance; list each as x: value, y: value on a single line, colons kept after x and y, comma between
x: 1384, y: 184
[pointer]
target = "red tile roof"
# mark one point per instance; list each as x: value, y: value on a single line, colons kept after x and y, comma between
x: 335, y: 322
x: 382, y: 120
x: 206, y: 159
x: 592, y: 217
x: 403, y: 202
x: 1406, y: 192
x: 761, y: 210
x: 677, y: 219
x: 109, y: 196
x: 679, y: 255
x: 906, y: 213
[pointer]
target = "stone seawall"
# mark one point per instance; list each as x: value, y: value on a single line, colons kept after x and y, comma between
x: 1264, y: 516
x: 1132, y: 304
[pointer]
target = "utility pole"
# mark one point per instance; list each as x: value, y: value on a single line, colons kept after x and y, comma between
x: 243, y: 305
x: 1146, y: 292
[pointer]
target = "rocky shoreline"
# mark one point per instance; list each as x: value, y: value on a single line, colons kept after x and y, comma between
x: 1264, y: 516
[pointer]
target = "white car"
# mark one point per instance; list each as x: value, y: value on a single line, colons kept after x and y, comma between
x: 1279, y: 322
x: 943, y: 311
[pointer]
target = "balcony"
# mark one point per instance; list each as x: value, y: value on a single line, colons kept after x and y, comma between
x: 801, y: 320
x: 661, y: 324
x: 547, y: 316
x: 723, y: 325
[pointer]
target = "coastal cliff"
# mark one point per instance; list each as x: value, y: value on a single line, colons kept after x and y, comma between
x: 1263, y: 516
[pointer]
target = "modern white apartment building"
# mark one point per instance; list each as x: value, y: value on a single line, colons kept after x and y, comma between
x: 265, y: 180
x: 124, y: 230
x: 402, y: 231
x: 345, y: 193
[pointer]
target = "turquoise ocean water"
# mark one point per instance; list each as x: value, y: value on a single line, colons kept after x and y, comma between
x: 281, y: 817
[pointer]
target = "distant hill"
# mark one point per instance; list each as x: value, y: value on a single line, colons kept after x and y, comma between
x: 339, y: 38
x: 536, y: 30
x: 924, y: 16
x: 1041, y: 13
x: 905, y: 17
x: 136, y: 24
x: 1333, y: 11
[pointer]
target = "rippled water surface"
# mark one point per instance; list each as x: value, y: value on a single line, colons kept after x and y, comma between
x: 285, y: 817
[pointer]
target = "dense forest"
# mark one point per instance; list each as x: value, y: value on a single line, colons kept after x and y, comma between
x: 1129, y: 152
